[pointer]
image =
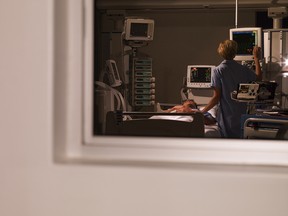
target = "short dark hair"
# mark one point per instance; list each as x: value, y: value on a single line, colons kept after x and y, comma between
x: 192, y: 106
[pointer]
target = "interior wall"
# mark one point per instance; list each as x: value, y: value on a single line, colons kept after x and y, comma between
x: 187, y: 37
x: 32, y: 184
x: 183, y: 37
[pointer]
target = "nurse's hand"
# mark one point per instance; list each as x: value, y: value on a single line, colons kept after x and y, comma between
x: 257, y: 52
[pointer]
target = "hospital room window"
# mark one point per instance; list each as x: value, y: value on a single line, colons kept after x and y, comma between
x: 77, y: 137
x: 128, y: 79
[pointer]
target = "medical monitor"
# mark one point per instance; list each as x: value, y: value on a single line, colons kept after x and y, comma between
x: 199, y: 76
x: 138, y: 29
x: 113, y: 74
x: 246, y: 39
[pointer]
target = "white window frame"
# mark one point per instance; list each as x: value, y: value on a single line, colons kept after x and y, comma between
x: 73, y: 91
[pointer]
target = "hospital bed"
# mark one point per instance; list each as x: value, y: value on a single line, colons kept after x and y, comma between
x: 143, y: 124
x: 159, y: 123
x: 265, y: 127
x: 210, y: 131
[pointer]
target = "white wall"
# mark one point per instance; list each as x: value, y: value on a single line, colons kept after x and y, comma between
x: 32, y: 184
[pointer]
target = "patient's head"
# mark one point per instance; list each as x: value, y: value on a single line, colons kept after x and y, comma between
x: 190, y: 103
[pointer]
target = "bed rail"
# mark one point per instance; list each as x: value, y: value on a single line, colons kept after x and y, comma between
x: 265, y: 128
x: 139, y: 124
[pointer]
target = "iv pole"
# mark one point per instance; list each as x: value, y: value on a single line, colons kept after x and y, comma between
x: 236, y: 14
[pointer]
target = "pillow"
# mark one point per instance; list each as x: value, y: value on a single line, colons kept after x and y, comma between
x: 213, y: 111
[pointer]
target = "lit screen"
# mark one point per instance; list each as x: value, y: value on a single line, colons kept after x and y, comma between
x: 139, y: 29
x: 201, y: 75
x: 246, y: 41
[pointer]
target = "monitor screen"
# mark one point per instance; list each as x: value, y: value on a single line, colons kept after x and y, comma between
x: 115, y: 70
x: 138, y: 29
x: 199, y: 76
x: 246, y: 39
x: 113, y: 74
x: 246, y: 42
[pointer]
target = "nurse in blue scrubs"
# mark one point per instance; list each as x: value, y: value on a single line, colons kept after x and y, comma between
x: 225, y: 80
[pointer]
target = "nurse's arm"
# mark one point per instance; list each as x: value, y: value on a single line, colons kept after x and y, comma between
x: 214, y: 100
x: 257, y: 56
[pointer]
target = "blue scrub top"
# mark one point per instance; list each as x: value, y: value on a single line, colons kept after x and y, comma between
x: 226, y: 77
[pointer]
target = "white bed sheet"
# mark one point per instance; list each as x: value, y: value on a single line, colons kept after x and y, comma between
x: 211, y: 131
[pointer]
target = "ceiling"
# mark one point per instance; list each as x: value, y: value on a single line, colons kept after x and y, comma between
x: 150, y: 4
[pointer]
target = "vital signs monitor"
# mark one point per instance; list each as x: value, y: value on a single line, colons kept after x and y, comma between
x: 113, y: 74
x: 199, y: 76
x: 138, y: 29
x: 246, y: 39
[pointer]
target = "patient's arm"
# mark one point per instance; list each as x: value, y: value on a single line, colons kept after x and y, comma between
x: 208, y: 118
x: 184, y: 108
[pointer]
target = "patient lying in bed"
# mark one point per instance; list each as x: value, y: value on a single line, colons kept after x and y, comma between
x: 190, y: 106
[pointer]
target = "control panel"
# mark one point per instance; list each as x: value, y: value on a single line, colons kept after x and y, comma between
x: 248, y: 91
x: 143, y: 83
